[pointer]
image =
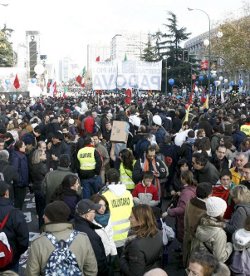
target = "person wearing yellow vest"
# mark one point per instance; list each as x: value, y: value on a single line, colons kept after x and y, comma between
x: 237, y: 172
x: 126, y: 168
x: 120, y: 204
x: 90, y: 164
x: 246, y: 127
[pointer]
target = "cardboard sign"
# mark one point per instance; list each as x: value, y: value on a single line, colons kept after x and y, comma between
x: 119, y: 132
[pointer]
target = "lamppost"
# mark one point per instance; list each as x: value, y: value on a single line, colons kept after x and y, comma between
x: 209, y: 44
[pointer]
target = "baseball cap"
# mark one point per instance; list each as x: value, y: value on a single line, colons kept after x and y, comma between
x: 86, y: 205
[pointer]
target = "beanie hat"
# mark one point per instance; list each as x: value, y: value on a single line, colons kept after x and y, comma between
x: 28, y: 139
x: 57, y: 211
x: 203, y: 190
x: 215, y: 206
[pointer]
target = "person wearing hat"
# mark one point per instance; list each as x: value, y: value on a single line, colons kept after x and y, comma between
x: 83, y: 222
x: 209, y: 235
x: 56, y: 216
x: 160, y: 132
x: 16, y: 228
x: 195, y: 209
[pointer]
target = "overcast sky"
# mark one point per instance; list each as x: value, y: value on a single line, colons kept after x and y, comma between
x: 66, y: 27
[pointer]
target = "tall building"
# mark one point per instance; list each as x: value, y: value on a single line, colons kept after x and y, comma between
x: 67, y: 69
x: 97, y: 50
x: 33, y: 51
x: 128, y: 45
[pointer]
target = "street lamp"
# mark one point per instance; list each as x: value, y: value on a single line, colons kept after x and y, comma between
x: 209, y: 42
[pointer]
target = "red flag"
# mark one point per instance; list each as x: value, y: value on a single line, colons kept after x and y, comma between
x: 16, y: 82
x: 97, y: 59
x: 79, y: 79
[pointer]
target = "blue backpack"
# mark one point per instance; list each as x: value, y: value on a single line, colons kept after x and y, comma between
x: 62, y: 261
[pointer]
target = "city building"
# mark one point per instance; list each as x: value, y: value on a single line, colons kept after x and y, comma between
x: 128, y: 46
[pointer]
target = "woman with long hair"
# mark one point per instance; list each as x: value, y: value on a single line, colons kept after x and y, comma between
x: 143, y: 247
x: 68, y: 192
x: 38, y: 171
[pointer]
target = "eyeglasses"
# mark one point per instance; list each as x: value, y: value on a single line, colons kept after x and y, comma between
x: 191, y: 273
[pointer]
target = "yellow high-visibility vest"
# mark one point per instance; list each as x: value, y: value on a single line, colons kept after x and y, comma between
x: 126, y: 177
x: 245, y: 129
x: 86, y: 157
x: 120, y: 210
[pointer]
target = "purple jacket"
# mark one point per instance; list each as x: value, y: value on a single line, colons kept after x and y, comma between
x: 187, y: 193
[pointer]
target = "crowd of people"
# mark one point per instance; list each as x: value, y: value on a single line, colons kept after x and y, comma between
x: 100, y: 202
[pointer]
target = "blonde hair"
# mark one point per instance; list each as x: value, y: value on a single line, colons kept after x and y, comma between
x: 36, y: 156
x: 241, y: 193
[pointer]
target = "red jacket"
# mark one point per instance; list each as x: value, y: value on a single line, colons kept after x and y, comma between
x: 89, y: 124
x: 141, y: 189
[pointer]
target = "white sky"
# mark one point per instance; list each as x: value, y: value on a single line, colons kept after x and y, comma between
x: 66, y: 27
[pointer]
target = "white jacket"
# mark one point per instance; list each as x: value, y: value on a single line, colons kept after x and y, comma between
x: 106, y: 234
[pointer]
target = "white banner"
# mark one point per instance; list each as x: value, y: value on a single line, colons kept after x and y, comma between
x: 127, y: 74
x: 104, y: 76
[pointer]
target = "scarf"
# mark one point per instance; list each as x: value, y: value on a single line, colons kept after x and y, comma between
x: 102, y: 219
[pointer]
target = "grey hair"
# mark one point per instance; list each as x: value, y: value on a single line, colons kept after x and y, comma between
x: 4, y: 155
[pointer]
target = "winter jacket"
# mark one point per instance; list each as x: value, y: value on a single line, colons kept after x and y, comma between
x: 237, y: 221
x: 38, y: 172
x: 236, y: 176
x: 240, y: 262
x: 220, y: 165
x: 16, y: 230
x: 138, y: 170
x: 160, y: 135
x: 10, y: 175
x: 187, y: 193
x: 195, y: 209
x: 89, y: 228
x: 207, y: 174
x: 57, y: 150
x: 52, y: 181
x: 106, y: 235
x: 141, y: 255
x: 145, y: 195
x: 41, y: 248
x: 19, y: 161
x: 213, y: 239
x: 238, y: 137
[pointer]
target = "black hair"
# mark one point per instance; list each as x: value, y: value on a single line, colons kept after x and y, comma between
x: 113, y: 176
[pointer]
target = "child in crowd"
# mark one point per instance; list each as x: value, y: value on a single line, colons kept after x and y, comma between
x: 145, y: 192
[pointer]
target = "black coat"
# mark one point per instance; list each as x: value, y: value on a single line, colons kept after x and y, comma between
x: 38, y: 172
x: 10, y: 175
x: 16, y: 230
x: 88, y: 227
x: 141, y: 255
x: 19, y: 160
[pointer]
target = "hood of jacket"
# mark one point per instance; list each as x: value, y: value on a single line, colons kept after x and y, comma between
x: 241, y: 239
x: 207, y: 229
x: 117, y: 189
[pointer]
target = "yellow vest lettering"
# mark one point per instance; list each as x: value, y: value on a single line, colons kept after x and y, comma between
x: 86, y: 157
x: 120, y: 202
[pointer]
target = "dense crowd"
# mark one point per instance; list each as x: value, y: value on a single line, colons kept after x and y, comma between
x: 100, y: 202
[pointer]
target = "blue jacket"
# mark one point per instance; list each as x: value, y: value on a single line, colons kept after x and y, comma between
x: 19, y: 160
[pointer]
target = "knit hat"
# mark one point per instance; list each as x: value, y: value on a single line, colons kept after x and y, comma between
x: 86, y: 205
x: 203, y: 190
x: 215, y: 206
x: 57, y: 211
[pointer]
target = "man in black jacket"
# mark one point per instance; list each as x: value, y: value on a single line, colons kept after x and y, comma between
x: 8, y: 173
x: 85, y: 214
x: 16, y: 228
